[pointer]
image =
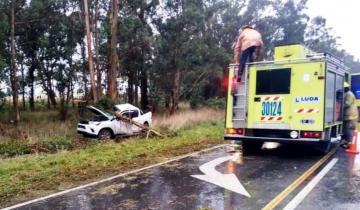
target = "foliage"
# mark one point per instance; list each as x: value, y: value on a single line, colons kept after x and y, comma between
x: 196, y: 100
x: 218, y: 103
x: 167, y: 51
x: 106, y: 103
x: 58, y: 143
x: 13, y: 148
x: 2, y: 100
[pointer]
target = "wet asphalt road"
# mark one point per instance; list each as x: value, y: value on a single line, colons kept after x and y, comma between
x: 264, y: 175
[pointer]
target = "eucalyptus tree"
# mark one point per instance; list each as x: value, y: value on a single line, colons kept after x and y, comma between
x: 136, y: 39
x: 180, y: 36
x: 4, y: 26
x: 49, y: 43
x: 30, y: 41
x: 113, y: 13
x: 12, y: 10
x: 94, y: 91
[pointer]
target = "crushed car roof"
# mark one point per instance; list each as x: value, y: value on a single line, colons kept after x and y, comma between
x: 122, y: 107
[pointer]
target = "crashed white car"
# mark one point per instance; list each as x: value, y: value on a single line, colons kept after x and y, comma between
x: 105, y: 125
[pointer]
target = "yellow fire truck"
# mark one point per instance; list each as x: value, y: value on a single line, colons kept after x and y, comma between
x: 355, y: 88
x: 297, y: 98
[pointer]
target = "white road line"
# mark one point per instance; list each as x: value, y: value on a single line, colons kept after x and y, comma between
x: 110, y: 178
x: 310, y: 186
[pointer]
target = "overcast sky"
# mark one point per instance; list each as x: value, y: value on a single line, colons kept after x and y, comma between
x: 343, y: 16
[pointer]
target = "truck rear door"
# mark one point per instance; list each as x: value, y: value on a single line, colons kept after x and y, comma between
x: 269, y: 98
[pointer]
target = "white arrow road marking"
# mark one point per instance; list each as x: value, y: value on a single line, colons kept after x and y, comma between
x: 227, y: 181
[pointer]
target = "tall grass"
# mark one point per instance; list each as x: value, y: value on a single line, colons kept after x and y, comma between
x: 43, y: 126
x: 187, y: 117
x: 37, y: 127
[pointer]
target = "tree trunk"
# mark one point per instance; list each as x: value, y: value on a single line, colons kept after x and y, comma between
x: 84, y: 74
x: 136, y: 95
x: 14, y: 81
x: 167, y: 102
x: 72, y: 94
x: 175, y: 92
x: 23, y: 86
x: 143, y: 90
x: 48, y: 102
x: 90, y: 55
x: 31, y: 84
x: 52, y: 97
x: 50, y: 92
x: 45, y: 78
x: 63, y: 108
x: 130, y: 90
x: 112, y: 74
x: 96, y: 47
x: 143, y: 72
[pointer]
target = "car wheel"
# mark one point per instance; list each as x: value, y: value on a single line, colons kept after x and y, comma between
x: 105, y: 134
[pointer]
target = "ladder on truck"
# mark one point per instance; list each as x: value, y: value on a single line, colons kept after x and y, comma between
x: 240, y: 95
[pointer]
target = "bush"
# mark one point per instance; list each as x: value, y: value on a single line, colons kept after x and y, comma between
x: 14, y: 148
x: 196, y: 101
x: 106, y: 103
x: 41, y: 104
x: 217, y: 103
x: 59, y: 143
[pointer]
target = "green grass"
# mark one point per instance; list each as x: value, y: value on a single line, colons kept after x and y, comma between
x: 29, y: 176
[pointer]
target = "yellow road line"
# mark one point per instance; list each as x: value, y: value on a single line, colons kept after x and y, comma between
x: 280, y: 197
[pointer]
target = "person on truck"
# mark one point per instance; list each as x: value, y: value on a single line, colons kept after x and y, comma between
x: 351, y: 115
x: 248, y: 42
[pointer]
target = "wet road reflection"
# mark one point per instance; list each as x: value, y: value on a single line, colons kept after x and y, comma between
x: 340, y: 189
x: 264, y: 174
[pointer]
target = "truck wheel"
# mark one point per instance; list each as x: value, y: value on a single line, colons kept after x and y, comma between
x: 325, y: 147
x: 105, y: 134
x: 251, y: 147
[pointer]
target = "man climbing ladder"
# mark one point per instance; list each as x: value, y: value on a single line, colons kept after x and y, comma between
x: 248, y: 42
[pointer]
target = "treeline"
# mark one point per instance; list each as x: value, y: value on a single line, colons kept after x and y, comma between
x: 152, y: 53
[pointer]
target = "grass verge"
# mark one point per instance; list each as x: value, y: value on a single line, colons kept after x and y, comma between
x: 184, y: 118
x: 30, y: 176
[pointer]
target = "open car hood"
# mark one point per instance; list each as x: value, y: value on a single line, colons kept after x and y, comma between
x: 97, y: 111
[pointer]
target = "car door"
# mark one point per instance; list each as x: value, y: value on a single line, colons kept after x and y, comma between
x: 124, y: 127
x: 137, y: 117
x: 120, y: 127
